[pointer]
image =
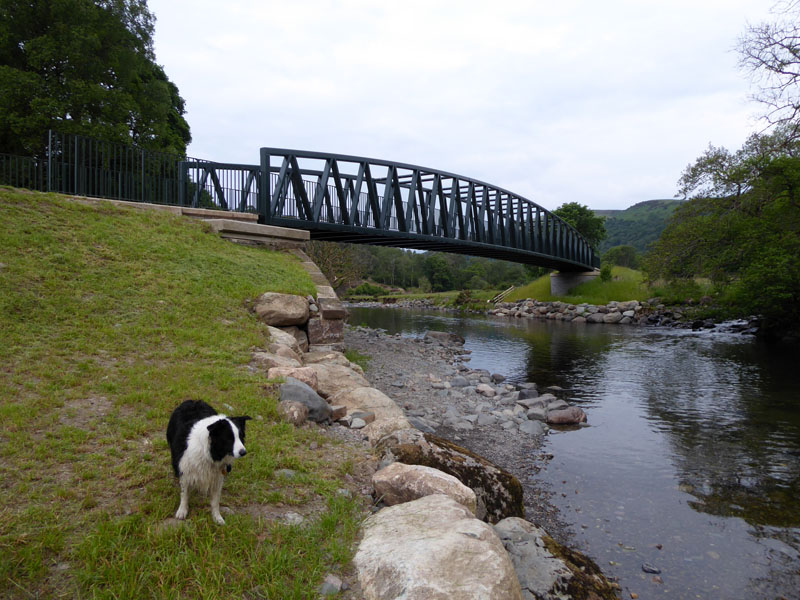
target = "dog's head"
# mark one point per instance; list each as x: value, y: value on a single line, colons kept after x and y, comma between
x: 226, y: 437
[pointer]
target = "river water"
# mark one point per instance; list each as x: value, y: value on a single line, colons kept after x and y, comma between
x: 691, y: 462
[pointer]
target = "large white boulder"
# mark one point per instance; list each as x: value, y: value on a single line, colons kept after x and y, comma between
x: 398, y: 483
x: 334, y: 378
x: 433, y: 549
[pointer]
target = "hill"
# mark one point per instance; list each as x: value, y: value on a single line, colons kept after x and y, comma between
x: 637, y: 226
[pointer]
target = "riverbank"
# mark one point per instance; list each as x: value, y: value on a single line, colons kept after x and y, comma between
x: 426, y: 379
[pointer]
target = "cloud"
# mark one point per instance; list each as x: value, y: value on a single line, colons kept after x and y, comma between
x: 602, y: 103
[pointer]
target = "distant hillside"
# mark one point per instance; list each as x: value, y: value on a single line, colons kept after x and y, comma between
x: 638, y: 225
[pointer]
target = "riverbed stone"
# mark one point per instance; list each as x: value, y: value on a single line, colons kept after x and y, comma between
x: 568, y: 416
x: 279, y: 310
x: 612, y: 317
x: 557, y: 405
x: 530, y: 402
x: 433, y: 549
x: 532, y: 428
x: 388, y: 416
x: 459, y: 381
x: 537, y: 413
x: 527, y: 393
x: 484, y: 389
x: 398, y: 483
x: 444, y: 337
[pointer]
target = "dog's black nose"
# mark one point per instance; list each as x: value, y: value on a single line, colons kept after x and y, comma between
x: 242, y: 452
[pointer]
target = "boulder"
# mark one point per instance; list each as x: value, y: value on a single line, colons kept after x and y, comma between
x: 484, y: 389
x: 388, y: 417
x: 537, y: 413
x: 532, y: 428
x: 305, y: 374
x: 557, y: 405
x: 285, y: 352
x: 445, y: 338
x: 279, y: 336
x: 267, y: 360
x: 528, y: 393
x: 568, y: 416
x: 498, y: 492
x: 280, y: 310
x: 299, y: 335
x: 296, y: 391
x: 294, y: 412
x: 612, y: 317
x: 547, y: 570
x: 325, y: 331
x: 433, y: 549
x: 398, y: 483
x: 596, y: 317
x: 332, y: 379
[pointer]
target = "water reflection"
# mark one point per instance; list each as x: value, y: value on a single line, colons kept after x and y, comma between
x: 694, y: 445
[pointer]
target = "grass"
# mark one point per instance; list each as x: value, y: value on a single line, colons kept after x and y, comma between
x: 354, y: 356
x: 109, y: 318
x: 626, y: 284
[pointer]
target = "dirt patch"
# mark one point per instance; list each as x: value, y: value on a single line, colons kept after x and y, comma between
x: 83, y: 412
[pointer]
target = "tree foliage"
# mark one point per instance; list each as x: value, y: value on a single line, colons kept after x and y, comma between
x: 770, y: 52
x: 747, y: 240
x: 87, y: 67
x: 582, y: 218
x: 623, y: 256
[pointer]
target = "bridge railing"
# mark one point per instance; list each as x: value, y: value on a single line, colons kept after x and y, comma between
x: 347, y: 193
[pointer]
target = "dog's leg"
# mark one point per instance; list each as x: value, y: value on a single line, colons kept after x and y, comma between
x: 183, y: 509
x: 216, y: 492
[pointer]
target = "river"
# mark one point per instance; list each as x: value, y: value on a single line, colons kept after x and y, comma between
x: 691, y: 462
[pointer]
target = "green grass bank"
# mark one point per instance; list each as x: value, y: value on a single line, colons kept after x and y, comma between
x: 109, y: 318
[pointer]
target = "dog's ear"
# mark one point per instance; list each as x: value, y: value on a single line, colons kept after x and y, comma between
x: 239, y: 422
x: 216, y: 426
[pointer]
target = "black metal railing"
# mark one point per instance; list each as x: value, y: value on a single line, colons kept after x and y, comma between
x: 356, y: 199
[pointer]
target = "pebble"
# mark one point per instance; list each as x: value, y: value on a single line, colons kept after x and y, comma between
x: 648, y: 568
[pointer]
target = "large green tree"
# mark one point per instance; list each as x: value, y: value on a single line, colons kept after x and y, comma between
x: 582, y: 218
x: 88, y: 67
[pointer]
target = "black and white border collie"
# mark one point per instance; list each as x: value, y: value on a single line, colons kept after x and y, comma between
x: 203, y: 445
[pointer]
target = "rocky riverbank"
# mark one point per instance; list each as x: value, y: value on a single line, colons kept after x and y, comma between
x: 431, y: 381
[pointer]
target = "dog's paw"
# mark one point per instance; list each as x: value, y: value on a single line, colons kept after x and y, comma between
x: 181, y: 514
x: 218, y: 519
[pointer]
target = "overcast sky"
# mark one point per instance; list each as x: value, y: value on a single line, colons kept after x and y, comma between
x: 603, y: 103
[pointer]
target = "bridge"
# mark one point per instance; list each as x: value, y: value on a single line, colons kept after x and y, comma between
x: 333, y: 196
x: 367, y: 201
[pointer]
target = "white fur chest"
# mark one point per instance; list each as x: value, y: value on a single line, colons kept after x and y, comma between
x: 197, y: 469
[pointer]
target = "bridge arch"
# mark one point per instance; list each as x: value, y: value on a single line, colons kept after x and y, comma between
x: 369, y: 201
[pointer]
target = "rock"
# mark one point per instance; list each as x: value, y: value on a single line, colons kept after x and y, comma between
x: 537, y: 413
x: 459, y: 381
x: 530, y: 403
x: 279, y: 336
x: 296, y: 391
x: 281, y: 309
x: 332, y: 308
x: 596, y: 317
x: 356, y: 423
x: 432, y: 548
x: 532, y: 428
x: 445, y: 338
x: 420, y: 424
x: 526, y: 393
x: 294, y: 412
x: 388, y: 416
x: 569, y: 416
x: 498, y: 378
x: 486, y: 419
x: 330, y: 586
x: 548, y: 571
x: 337, y: 412
x: 612, y: 317
x: 557, y: 405
x: 398, y: 483
x: 484, y: 389
x: 305, y: 374
x: 332, y: 379
x: 267, y: 360
x: 285, y: 352
x: 299, y: 335
x: 498, y: 492
x: 648, y: 568
x: 325, y: 331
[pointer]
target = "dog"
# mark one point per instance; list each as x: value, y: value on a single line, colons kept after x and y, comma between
x: 204, y: 445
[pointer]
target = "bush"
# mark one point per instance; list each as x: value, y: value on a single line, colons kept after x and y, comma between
x: 367, y: 289
x: 605, y: 273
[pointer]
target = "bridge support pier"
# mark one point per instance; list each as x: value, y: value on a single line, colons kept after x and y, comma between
x: 562, y: 283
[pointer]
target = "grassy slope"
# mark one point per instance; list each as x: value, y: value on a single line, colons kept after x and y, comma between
x: 110, y: 317
x: 626, y: 284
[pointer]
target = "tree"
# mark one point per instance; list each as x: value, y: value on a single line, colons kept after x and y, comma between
x: 86, y: 67
x: 342, y: 264
x: 771, y: 54
x: 582, y: 218
x: 623, y: 256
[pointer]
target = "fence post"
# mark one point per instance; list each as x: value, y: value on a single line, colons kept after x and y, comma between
x: 263, y: 207
x: 183, y: 176
x: 49, y: 159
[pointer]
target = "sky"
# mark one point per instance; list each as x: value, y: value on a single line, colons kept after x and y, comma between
x: 600, y: 103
